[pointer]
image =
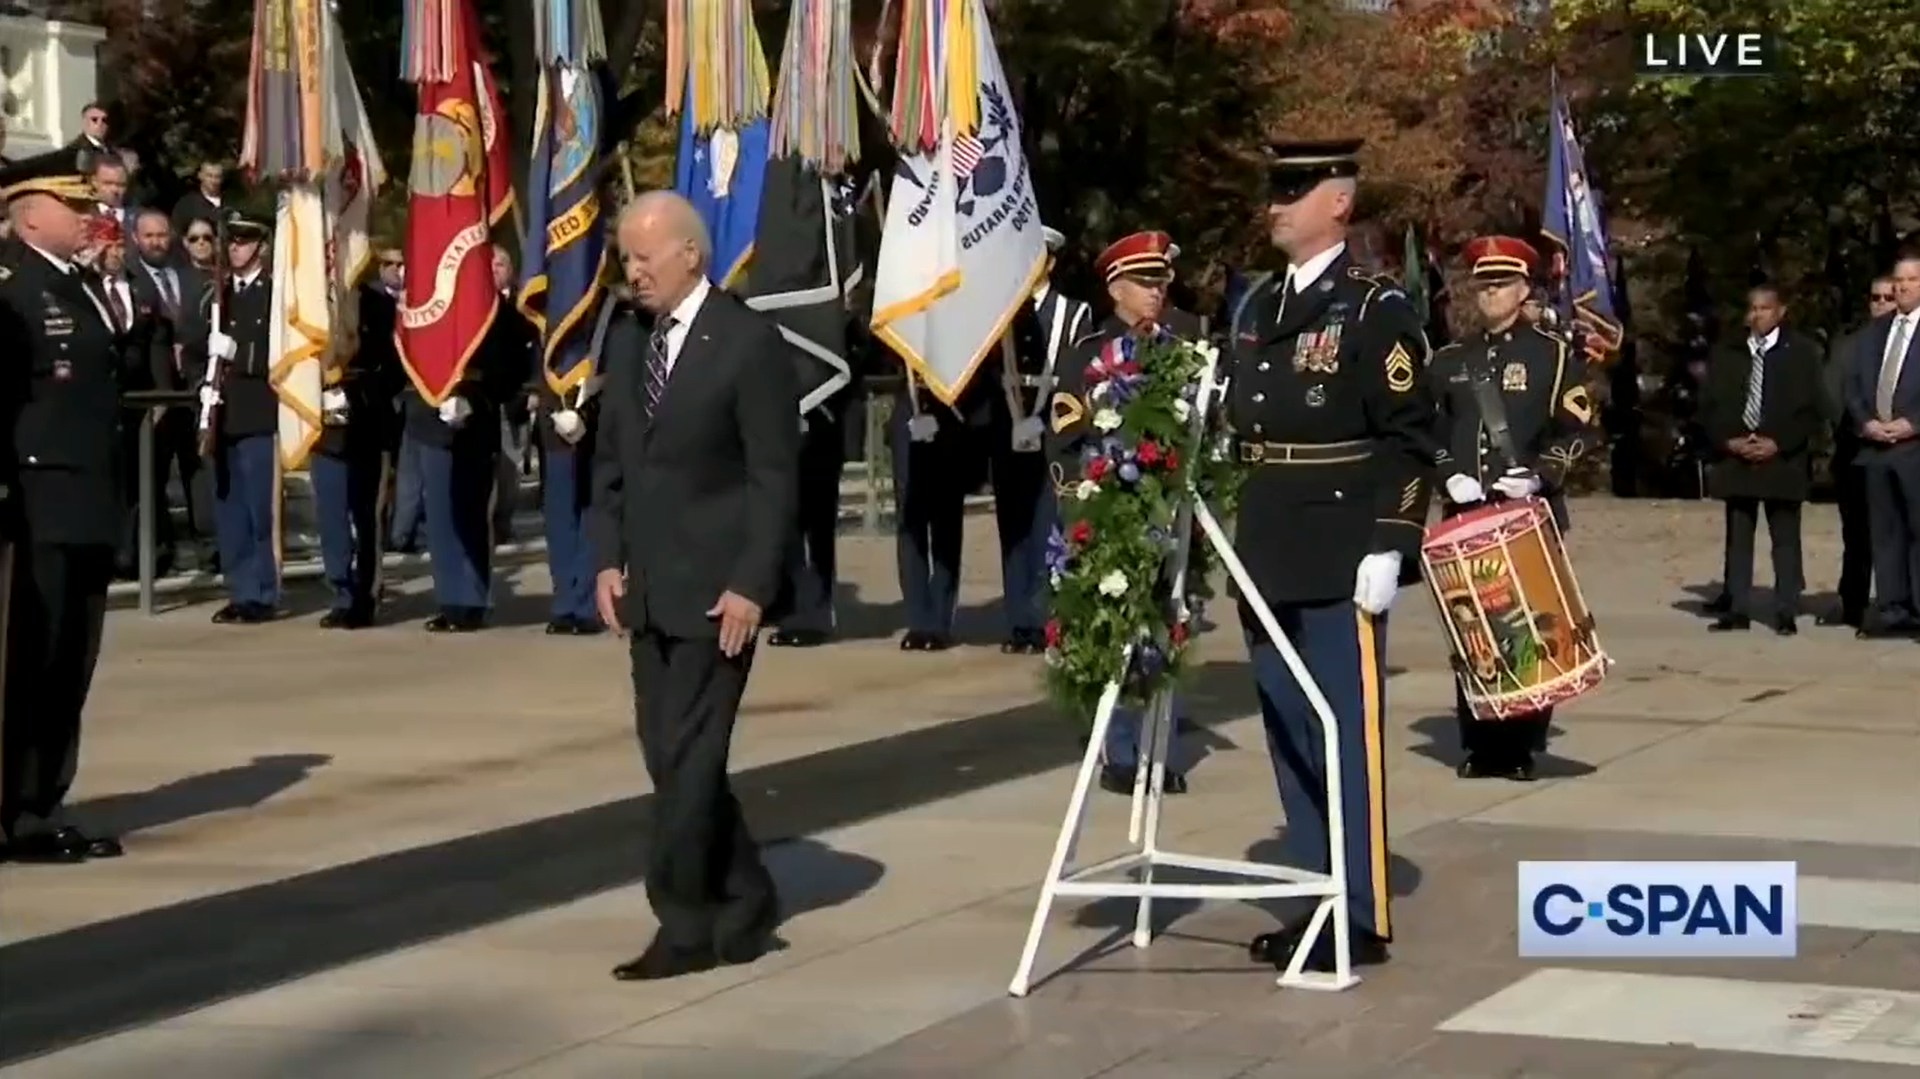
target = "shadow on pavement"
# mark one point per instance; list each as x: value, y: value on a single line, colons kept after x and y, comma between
x: 239, y: 787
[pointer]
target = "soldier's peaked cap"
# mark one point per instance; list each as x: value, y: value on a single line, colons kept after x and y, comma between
x: 1145, y: 256
x: 243, y: 226
x: 1295, y: 168
x: 1494, y: 258
x: 57, y: 174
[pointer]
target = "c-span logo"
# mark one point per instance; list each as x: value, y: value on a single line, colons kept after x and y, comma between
x: 1722, y: 53
x: 1611, y: 910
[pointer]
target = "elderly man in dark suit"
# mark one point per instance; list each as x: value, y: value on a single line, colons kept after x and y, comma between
x: 695, y: 503
x: 1762, y: 409
x: 1883, y: 402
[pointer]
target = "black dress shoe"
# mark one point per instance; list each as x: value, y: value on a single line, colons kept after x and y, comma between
x: 1720, y: 604
x: 229, y: 615
x: 44, y: 848
x: 1277, y: 948
x: 91, y: 846
x: 743, y: 950
x: 662, y: 960
x: 453, y: 623
x: 1117, y: 779
x: 253, y: 614
x: 1727, y: 623
x: 798, y: 638
x: 1024, y: 642
x: 1842, y: 617
x: 1785, y: 625
x: 346, y: 618
x: 1174, y: 782
x: 922, y: 641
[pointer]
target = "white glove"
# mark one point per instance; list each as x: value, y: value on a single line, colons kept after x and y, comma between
x: 220, y: 346
x: 1377, y: 582
x: 454, y: 411
x: 334, y: 400
x: 1027, y: 435
x: 1518, y: 483
x: 569, y: 426
x: 922, y: 428
x: 1464, y: 490
x: 209, y: 397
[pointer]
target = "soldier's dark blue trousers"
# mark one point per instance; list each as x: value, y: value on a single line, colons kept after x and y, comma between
x: 1344, y: 649
x: 1128, y: 728
x: 563, y: 502
x: 458, y: 487
x: 930, y: 514
x: 346, y: 507
x: 1023, y: 513
x: 243, y: 495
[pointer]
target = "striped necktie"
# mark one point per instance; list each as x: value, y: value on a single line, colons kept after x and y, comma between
x: 657, y: 366
x: 1755, y: 374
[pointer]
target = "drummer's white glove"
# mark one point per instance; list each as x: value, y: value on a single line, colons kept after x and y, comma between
x: 209, y: 396
x: 221, y: 347
x: 1464, y: 490
x: 569, y: 426
x: 1377, y: 582
x: 454, y: 411
x: 1518, y: 483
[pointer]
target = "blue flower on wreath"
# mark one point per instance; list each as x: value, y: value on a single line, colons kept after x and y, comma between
x: 1059, y: 558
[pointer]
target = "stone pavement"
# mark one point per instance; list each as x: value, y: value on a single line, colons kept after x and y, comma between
x: 387, y: 854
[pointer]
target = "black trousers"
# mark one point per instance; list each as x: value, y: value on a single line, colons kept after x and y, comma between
x: 1856, y: 537
x: 1783, y: 533
x: 705, y: 879
x: 1499, y: 741
x: 812, y: 561
x: 1893, y: 510
x: 930, y: 505
x: 57, y: 607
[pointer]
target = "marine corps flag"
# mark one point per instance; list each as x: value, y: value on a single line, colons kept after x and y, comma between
x: 1570, y: 217
x: 460, y: 186
x: 566, y: 245
x: 963, y: 249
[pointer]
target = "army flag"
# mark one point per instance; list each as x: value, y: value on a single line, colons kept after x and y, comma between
x: 717, y: 83
x: 1570, y: 217
x: 962, y: 250
x: 566, y: 244
x: 459, y: 187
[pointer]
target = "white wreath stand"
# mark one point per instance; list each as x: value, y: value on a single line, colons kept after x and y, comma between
x: 1258, y: 880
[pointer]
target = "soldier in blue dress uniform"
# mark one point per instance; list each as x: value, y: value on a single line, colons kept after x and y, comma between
x: 1537, y: 383
x: 246, y: 425
x: 566, y: 425
x: 1334, y: 426
x: 61, y: 501
x: 346, y: 469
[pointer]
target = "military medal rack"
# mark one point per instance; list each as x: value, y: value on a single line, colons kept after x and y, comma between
x: 1135, y: 873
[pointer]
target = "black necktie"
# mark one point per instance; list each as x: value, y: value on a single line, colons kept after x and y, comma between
x: 657, y: 369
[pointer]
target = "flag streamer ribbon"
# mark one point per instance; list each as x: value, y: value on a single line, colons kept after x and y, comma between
x: 814, y: 108
x: 429, y: 33
x: 716, y: 67
x: 287, y: 134
x: 568, y: 32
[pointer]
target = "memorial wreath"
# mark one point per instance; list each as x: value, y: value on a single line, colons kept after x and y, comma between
x: 1108, y: 558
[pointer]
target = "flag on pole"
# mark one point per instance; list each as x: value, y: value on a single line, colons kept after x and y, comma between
x: 1413, y: 274
x: 566, y: 246
x: 803, y: 262
x: 1570, y: 217
x: 307, y: 129
x: 963, y: 249
x: 717, y: 84
x: 459, y: 188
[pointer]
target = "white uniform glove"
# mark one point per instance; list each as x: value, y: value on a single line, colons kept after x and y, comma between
x: 454, y: 411
x: 1377, y: 582
x: 1518, y: 483
x: 1027, y: 434
x: 569, y: 426
x: 220, y: 346
x: 922, y: 428
x: 334, y: 400
x: 1464, y: 490
x: 209, y: 397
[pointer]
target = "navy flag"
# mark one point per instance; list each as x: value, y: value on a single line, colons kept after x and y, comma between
x: 1571, y: 218
x: 566, y: 246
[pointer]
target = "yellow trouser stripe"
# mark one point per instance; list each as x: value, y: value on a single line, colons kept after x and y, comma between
x: 1370, y: 728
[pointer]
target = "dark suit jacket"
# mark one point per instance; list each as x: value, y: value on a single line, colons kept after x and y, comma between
x: 705, y: 498
x: 149, y: 341
x: 1790, y: 415
x: 1870, y: 346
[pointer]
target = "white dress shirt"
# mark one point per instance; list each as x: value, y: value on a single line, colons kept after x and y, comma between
x: 683, y: 315
x: 1301, y: 276
x: 1764, y: 345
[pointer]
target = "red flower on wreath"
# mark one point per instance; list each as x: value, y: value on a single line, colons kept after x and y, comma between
x: 1177, y: 634
x: 1053, y: 633
x: 1097, y: 469
x: 1081, y: 533
x: 1149, y: 453
x: 1173, y: 460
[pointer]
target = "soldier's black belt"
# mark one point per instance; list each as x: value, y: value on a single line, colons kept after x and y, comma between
x: 1305, y: 453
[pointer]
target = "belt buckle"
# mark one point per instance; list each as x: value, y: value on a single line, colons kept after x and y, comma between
x: 1253, y: 452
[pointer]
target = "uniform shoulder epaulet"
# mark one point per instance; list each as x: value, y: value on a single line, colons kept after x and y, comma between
x: 1379, y: 286
x: 1553, y: 335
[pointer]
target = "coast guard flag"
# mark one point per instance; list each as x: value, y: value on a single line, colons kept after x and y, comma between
x: 1570, y: 217
x: 723, y: 173
x: 962, y: 249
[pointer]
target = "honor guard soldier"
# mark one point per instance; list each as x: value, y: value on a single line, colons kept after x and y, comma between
x: 346, y: 468
x: 1138, y: 270
x: 1334, y: 428
x: 565, y: 425
x: 1514, y: 414
x: 246, y: 425
x: 933, y: 469
x: 1024, y: 506
x: 60, y: 501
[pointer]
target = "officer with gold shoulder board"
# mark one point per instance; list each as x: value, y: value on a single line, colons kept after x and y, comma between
x: 1514, y: 414
x: 60, y: 464
x: 1334, y: 427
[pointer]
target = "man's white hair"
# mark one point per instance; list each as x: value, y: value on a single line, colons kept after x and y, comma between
x: 673, y: 210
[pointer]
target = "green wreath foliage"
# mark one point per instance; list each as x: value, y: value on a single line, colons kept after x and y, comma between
x: 1109, y: 557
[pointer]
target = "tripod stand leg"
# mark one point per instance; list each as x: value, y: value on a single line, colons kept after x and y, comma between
x: 1155, y: 738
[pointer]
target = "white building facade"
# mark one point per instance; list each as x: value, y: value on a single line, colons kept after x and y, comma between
x: 49, y: 70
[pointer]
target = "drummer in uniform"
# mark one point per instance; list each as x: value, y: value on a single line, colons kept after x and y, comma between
x: 1138, y: 270
x: 1333, y: 426
x: 1536, y: 381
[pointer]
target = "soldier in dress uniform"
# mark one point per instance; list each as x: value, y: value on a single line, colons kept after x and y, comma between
x: 1024, y: 506
x: 60, y: 501
x: 565, y: 426
x: 934, y: 449
x: 246, y: 426
x: 1538, y: 383
x: 1334, y: 427
x: 347, y: 467
x: 1138, y: 270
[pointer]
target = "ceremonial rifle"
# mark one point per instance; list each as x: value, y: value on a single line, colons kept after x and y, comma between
x: 215, y: 377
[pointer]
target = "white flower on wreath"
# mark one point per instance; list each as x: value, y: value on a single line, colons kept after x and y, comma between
x: 1099, y: 392
x: 1107, y: 419
x: 1207, y: 352
x: 1113, y: 585
x: 1086, y: 490
x: 1181, y: 410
